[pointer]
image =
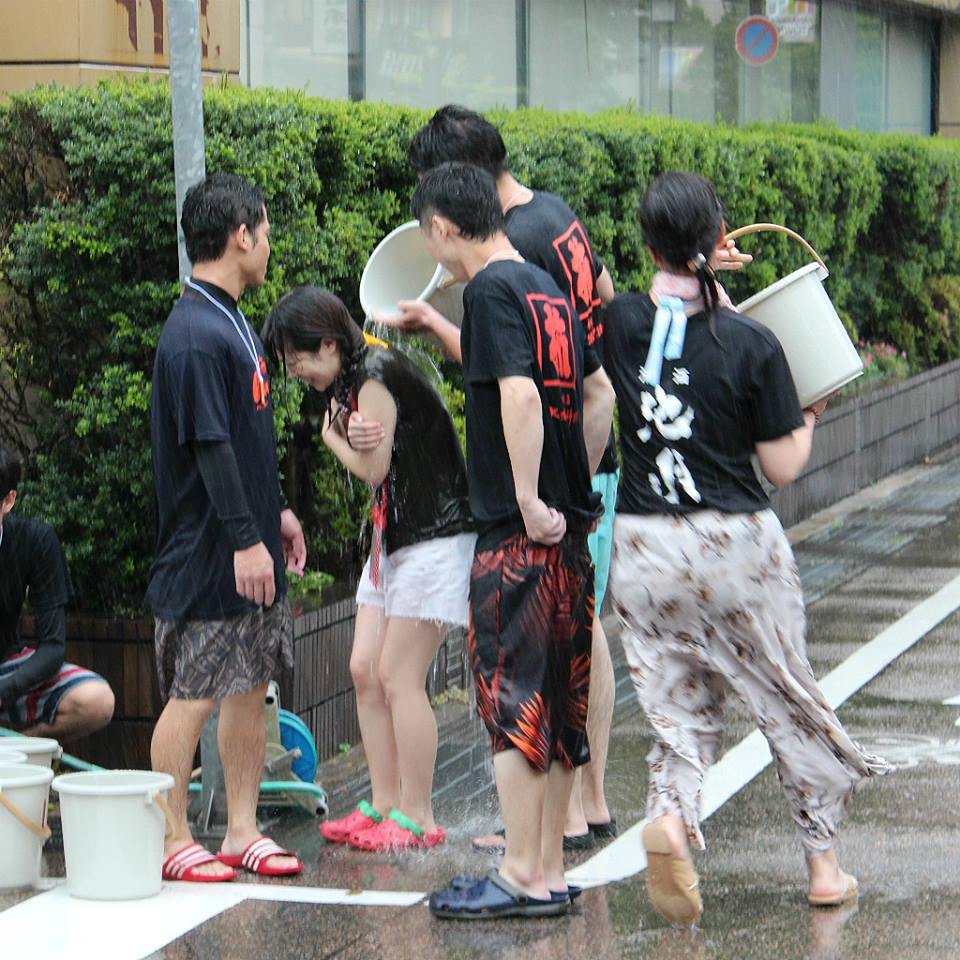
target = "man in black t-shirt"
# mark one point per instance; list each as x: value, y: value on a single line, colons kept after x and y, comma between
x: 40, y: 695
x: 538, y: 410
x: 218, y: 587
x: 546, y: 232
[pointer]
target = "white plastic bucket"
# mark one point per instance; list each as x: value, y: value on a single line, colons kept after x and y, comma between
x: 26, y: 787
x: 8, y: 755
x: 400, y: 268
x: 113, y: 832
x: 41, y: 751
x: 797, y: 309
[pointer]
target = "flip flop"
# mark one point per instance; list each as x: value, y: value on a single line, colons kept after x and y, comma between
x: 579, y: 841
x: 495, y: 846
x: 672, y: 882
x: 254, y: 859
x: 490, y: 898
x: 850, y: 891
x: 604, y: 831
x: 183, y: 864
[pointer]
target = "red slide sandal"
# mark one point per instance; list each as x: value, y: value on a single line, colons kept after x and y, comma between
x: 255, y: 858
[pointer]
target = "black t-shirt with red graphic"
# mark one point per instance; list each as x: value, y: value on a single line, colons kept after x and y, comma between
x: 206, y: 389
x: 518, y: 323
x: 688, y: 441
x: 546, y: 232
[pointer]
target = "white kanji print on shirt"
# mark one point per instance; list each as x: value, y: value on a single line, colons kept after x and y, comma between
x: 666, y: 417
x: 666, y: 413
x: 673, y: 471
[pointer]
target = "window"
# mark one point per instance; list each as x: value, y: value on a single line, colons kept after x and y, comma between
x: 298, y: 43
x: 429, y: 52
x: 866, y: 67
x: 875, y: 69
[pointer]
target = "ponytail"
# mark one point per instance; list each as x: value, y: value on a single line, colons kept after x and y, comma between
x: 707, y: 278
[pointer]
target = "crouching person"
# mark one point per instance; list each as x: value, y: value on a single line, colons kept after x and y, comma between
x: 40, y: 695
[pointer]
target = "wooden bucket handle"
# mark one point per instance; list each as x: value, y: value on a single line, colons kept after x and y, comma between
x: 776, y: 228
x: 168, y: 816
x: 42, y: 832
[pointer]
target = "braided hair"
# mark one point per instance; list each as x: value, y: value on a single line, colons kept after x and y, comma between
x: 681, y: 218
x: 301, y: 320
x: 351, y: 361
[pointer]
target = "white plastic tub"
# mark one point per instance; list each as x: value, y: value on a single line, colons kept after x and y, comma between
x: 23, y: 828
x: 41, y: 751
x: 113, y: 832
x: 8, y: 755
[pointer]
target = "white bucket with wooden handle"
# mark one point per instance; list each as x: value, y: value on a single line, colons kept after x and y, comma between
x: 821, y: 356
x: 114, y: 823
x: 24, y: 789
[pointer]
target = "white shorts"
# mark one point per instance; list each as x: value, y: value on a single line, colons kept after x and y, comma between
x: 425, y: 581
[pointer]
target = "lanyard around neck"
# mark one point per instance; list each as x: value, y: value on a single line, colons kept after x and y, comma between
x: 246, y: 337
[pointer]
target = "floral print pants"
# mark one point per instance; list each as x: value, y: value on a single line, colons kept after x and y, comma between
x: 708, y: 599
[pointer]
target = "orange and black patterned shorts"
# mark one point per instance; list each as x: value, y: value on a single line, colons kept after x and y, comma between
x: 531, y: 621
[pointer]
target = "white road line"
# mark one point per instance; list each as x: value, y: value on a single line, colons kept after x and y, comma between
x: 56, y: 926
x: 343, y: 898
x: 736, y: 768
x: 953, y: 702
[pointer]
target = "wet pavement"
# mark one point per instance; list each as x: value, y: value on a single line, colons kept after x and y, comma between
x: 865, y: 565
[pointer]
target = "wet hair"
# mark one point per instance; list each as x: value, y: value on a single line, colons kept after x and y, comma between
x: 213, y: 209
x: 681, y: 217
x: 464, y: 194
x: 455, y: 134
x: 10, y: 471
x: 301, y: 320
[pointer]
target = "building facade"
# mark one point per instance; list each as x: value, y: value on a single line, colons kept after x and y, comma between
x: 879, y: 65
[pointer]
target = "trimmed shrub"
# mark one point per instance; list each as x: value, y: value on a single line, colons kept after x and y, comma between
x: 88, y: 262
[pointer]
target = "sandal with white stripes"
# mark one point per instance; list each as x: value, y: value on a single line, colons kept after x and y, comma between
x: 254, y: 858
x: 183, y: 864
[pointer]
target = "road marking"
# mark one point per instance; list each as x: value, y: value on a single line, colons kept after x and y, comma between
x: 953, y: 702
x: 625, y: 856
x: 54, y: 925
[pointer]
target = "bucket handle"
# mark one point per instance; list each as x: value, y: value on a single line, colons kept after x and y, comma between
x: 776, y: 228
x: 42, y: 832
x: 167, y: 814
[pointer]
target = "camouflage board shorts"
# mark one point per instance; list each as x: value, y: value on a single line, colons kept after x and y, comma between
x: 213, y: 659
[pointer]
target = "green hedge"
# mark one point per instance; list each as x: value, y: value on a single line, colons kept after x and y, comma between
x: 88, y: 256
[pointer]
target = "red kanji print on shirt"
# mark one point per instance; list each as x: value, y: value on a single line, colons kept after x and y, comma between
x: 556, y: 354
x: 573, y: 249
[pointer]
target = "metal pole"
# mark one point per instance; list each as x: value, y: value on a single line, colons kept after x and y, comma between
x: 189, y: 167
x: 183, y: 26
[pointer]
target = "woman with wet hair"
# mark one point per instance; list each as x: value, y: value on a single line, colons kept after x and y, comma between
x: 415, y: 581
x: 703, y: 579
